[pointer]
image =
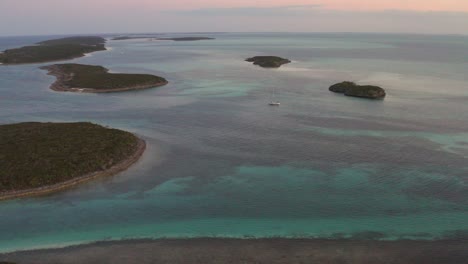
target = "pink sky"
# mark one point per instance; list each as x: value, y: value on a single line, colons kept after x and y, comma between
x: 352, y: 5
x: 414, y: 5
x: 97, y: 16
x: 28, y: 6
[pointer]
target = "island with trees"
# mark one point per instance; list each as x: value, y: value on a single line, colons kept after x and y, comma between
x: 53, y: 50
x: 39, y: 158
x: 355, y: 90
x: 268, y: 61
x: 73, y: 77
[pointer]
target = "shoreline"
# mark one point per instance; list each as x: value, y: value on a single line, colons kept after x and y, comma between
x: 117, y: 168
x: 61, y: 78
x: 51, y: 61
x: 261, y: 250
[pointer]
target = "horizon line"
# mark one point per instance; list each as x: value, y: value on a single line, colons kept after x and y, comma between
x: 240, y: 32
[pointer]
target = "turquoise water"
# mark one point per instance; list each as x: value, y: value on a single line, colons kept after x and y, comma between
x: 221, y: 163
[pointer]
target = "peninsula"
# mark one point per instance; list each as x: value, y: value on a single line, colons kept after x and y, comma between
x: 97, y: 79
x: 40, y: 158
x: 363, y: 91
x: 268, y: 61
x: 53, y: 50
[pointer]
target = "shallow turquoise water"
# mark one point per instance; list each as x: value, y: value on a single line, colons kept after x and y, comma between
x: 220, y: 162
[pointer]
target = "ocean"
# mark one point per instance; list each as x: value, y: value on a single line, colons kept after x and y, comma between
x: 222, y: 163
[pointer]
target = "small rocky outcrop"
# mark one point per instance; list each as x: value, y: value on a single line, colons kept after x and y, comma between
x: 355, y: 90
x: 268, y: 61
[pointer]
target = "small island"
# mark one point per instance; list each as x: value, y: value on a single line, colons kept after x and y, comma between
x: 53, y: 50
x: 73, y: 77
x: 363, y: 91
x: 268, y: 61
x: 39, y: 158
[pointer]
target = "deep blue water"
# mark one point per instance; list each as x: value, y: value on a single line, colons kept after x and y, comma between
x: 221, y: 162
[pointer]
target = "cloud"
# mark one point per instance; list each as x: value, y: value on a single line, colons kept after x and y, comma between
x: 320, y: 18
x: 291, y: 10
x: 70, y: 19
x: 299, y: 10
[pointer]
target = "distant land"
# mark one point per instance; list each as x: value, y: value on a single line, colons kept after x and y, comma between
x: 53, y: 50
x: 73, y: 77
x: 134, y: 37
x: 268, y: 61
x: 39, y: 158
x: 153, y: 38
x: 364, y: 91
x: 186, y: 38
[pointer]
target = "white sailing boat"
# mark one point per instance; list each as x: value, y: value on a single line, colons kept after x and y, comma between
x: 273, y: 101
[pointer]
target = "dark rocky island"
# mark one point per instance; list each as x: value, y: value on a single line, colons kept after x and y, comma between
x: 39, y: 158
x: 53, y: 50
x: 268, y: 61
x: 97, y: 79
x: 363, y: 91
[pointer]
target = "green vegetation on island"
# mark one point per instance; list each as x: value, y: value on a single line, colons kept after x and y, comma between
x: 43, y: 157
x: 53, y: 50
x: 268, y: 61
x: 97, y: 79
x: 81, y: 40
x: 364, y: 91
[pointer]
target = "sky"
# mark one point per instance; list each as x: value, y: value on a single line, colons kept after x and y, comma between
x: 48, y: 17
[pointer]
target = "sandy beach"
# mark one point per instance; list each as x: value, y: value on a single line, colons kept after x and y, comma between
x: 271, y: 251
